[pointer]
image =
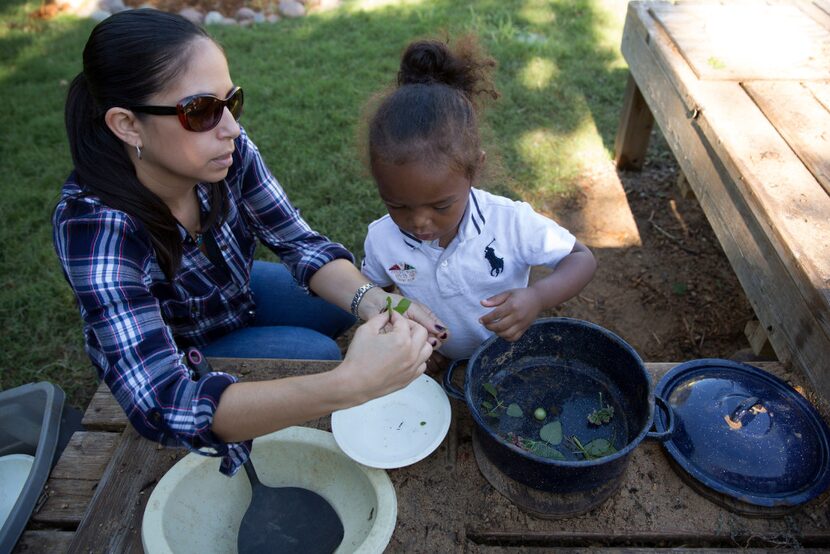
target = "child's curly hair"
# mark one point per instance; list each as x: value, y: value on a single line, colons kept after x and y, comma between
x: 433, y: 113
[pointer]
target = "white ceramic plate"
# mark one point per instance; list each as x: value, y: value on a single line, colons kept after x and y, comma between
x: 395, y: 430
x: 14, y: 471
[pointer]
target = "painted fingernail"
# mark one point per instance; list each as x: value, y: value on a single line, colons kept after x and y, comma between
x: 444, y: 336
x: 439, y: 327
x: 433, y: 342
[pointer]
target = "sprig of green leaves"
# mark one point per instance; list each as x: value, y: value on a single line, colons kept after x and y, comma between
x: 602, y: 415
x: 403, y: 305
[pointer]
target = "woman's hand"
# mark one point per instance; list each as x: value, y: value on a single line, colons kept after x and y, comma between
x: 375, y: 302
x: 385, y: 356
x: 515, y: 310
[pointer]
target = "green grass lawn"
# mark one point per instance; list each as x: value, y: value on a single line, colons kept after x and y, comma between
x: 306, y: 81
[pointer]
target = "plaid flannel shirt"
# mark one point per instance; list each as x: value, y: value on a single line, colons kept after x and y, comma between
x: 136, y: 321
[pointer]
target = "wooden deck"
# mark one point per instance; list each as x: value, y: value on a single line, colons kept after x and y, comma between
x: 740, y: 91
x: 97, y: 493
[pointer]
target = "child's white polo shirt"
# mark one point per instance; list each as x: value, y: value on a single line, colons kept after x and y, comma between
x: 498, y: 241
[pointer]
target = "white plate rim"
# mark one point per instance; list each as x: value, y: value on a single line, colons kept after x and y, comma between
x: 341, y: 437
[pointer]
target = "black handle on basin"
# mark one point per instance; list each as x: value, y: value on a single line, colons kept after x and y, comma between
x: 451, y: 389
x: 663, y: 435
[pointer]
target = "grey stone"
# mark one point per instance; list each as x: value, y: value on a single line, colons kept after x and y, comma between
x: 112, y: 6
x: 214, y: 18
x: 245, y: 14
x: 192, y: 14
x: 291, y: 9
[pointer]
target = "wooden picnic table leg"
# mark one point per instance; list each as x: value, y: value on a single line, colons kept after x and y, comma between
x: 633, y: 134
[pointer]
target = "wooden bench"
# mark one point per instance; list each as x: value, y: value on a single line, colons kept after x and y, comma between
x: 740, y: 91
x: 97, y: 493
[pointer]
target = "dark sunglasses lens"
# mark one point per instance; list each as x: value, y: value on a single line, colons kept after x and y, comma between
x: 235, y: 104
x: 203, y: 113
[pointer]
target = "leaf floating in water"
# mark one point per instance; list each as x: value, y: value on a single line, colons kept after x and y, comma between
x: 513, y: 410
x: 490, y: 389
x: 487, y: 405
x: 552, y: 432
x: 599, y: 448
x: 542, y: 449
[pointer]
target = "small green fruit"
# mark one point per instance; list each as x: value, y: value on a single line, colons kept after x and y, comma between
x: 540, y: 414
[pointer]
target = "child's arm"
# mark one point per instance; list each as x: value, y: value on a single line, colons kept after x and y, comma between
x: 516, y: 309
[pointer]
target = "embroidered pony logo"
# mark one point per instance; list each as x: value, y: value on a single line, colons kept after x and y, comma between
x: 496, y: 263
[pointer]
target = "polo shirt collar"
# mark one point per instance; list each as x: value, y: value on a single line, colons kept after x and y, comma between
x: 472, y: 223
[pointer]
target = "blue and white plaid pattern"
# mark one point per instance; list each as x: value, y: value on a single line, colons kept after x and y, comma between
x: 136, y: 321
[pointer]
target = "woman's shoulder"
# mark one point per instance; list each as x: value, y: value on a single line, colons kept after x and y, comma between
x: 79, y: 206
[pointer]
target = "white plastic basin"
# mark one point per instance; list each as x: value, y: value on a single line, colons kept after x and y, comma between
x: 14, y: 471
x: 194, y: 508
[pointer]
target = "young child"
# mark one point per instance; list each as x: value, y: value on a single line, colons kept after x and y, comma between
x: 461, y: 251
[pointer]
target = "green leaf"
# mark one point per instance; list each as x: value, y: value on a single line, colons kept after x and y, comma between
x: 546, y: 451
x: 599, y: 448
x: 513, y: 410
x: 486, y: 405
x: 403, y: 305
x: 552, y: 432
x: 491, y: 389
x: 388, y: 303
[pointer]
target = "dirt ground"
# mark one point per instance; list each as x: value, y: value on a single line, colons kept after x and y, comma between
x: 665, y: 285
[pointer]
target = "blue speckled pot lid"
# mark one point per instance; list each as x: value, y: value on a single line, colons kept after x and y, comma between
x: 745, y: 433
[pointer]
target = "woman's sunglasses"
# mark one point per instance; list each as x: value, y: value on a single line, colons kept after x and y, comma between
x: 201, y: 112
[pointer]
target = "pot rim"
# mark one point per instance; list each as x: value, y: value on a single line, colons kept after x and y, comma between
x: 621, y: 453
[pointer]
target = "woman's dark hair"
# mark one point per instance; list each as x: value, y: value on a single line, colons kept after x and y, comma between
x: 130, y: 56
x: 432, y: 114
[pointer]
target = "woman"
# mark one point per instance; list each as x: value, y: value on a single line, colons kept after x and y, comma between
x: 156, y: 230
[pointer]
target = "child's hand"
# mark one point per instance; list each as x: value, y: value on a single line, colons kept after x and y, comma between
x: 515, y: 311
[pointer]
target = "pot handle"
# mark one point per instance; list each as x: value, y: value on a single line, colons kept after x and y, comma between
x: 451, y: 389
x: 663, y: 435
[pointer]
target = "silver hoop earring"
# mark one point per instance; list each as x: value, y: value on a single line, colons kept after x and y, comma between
x: 138, y: 151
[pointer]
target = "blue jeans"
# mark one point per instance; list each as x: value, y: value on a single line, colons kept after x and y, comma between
x: 289, y: 322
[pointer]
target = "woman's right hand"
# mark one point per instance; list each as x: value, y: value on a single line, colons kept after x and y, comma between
x: 385, y: 356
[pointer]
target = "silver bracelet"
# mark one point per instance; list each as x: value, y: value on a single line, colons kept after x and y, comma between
x: 358, y: 296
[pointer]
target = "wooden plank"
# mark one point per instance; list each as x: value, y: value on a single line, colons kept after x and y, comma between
x: 634, y: 132
x: 820, y: 91
x: 85, y: 456
x: 758, y: 339
x: 66, y: 502
x: 103, y: 413
x: 74, y: 478
x: 112, y: 522
x: 746, y: 40
x: 43, y: 542
x: 802, y: 121
x: 742, y: 191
